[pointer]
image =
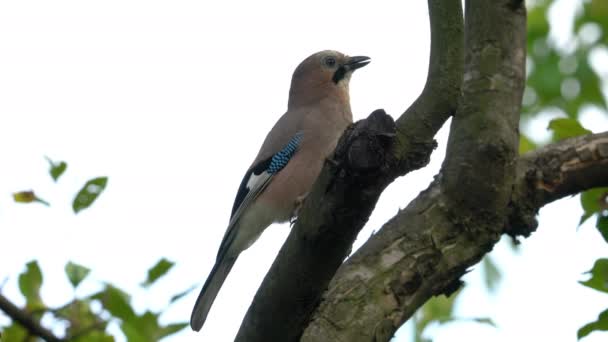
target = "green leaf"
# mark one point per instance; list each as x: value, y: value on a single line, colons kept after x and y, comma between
x: 599, y: 276
x: 56, y: 168
x: 132, y: 333
x: 525, y: 144
x: 182, y: 294
x: 491, y: 273
x: 172, y: 329
x: 82, y: 320
x: 545, y: 78
x: 76, y: 273
x: 538, y: 25
x: 89, y: 193
x: 142, y: 328
x: 437, y: 309
x: 30, y: 282
x: 602, y: 226
x: 28, y: 197
x: 564, y: 128
x: 161, y: 268
x: 93, y: 336
x: 146, y: 328
x: 591, y: 91
x: 593, y: 201
x: 116, y: 302
x: 14, y: 333
x: 600, y: 325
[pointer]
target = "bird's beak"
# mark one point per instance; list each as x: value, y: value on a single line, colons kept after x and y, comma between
x: 356, y: 62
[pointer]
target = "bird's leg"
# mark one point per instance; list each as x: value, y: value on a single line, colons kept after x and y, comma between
x: 297, y: 206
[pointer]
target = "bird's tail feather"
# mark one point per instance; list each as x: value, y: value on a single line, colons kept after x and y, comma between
x: 209, y: 292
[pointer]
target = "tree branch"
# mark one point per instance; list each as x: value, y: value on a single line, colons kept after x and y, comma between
x: 482, y: 148
x: 26, y: 320
x: 421, y: 251
x: 439, y: 98
x: 369, y: 156
x: 426, y: 248
x: 553, y: 172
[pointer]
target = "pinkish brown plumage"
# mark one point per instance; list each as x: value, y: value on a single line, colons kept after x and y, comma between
x: 288, y: 163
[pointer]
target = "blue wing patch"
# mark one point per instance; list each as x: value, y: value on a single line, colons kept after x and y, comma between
x: 281, y: 158
x: 271, y: 165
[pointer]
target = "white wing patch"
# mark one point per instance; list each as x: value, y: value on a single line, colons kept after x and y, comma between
x: 254, y: 180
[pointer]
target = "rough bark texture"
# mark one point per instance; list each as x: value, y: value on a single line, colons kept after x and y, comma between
x: 426, y: 248
x: 398, y: 269
x: 553, y: 172
x: 369, y: 156
x: 484, y: 190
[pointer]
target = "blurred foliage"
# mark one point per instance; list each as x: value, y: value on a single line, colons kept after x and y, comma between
x: 561, y: 77
x: 82, y: 321
x: 89, y: 192
x: 440, y: 310
x: 594, y: 202
x: 87, y: 318
x: 161, y: 268
x: 564, y: 128
x: 601, y: 324
x: 599, y: 282
x: 599, y: 276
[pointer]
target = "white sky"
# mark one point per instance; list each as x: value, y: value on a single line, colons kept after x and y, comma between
x: 171, y: 100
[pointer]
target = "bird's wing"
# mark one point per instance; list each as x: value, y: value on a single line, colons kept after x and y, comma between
x: 253, y: 184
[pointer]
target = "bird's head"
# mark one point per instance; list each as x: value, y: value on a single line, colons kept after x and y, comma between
x: 325, y: 73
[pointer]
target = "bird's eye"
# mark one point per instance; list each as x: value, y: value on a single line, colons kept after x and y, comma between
x: 329, y: 61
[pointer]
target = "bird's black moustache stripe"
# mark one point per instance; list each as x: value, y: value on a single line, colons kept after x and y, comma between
x: 339, y: 74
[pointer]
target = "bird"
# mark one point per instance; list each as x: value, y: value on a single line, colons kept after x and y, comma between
x: 288, y: 162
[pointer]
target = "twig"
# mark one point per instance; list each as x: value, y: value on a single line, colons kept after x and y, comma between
x: 27, y: 321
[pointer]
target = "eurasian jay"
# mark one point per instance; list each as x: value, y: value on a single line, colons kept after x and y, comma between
x: 288, y: 162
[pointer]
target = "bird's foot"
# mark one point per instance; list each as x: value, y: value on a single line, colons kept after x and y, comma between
x: 297, y: 206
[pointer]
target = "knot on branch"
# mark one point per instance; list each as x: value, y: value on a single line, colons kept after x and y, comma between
x: 521, y: 215
x: 521, y: 221
x: 407, y: 283
x: 365, y: 146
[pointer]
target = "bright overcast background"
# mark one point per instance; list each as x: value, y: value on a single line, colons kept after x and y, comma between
x: 171, y: 100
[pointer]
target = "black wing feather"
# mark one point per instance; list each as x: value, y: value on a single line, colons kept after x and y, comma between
x: 257, y: 169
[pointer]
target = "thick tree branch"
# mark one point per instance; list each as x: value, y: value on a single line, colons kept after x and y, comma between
x: 553, y: 172
x: 425, y: 249
x: 421, y: 250
x: 439, y: 98
x: 26, y: 320
x: 480, y: 159
x: 349, y: 187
